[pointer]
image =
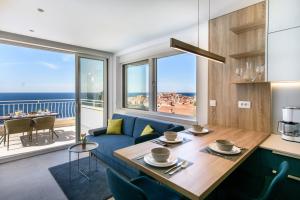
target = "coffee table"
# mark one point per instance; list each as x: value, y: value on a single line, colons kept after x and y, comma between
x: 79, y: 148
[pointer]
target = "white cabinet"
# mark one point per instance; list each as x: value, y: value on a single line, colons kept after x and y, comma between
x: 284, y: 55
x: 283, y: 14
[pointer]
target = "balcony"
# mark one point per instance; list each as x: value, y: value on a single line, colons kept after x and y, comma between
x: 64, y: 123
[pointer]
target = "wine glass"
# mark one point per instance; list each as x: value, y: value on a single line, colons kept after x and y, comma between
x: 239, y: 72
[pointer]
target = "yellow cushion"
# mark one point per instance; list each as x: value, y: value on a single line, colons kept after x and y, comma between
x: 147, y: 130
x: 114, y: 126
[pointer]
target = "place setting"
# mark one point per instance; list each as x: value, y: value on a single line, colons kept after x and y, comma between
x: 161, y: 160
x: 225, y: 149
x: 198, y: 130
x: 170, y: 139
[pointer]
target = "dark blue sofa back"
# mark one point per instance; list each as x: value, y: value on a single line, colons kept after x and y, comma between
x: 134, y: 126
x: 128, y: 123
x: 158, y: 126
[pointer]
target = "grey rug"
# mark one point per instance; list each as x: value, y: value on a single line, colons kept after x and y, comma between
x: 80, y: 188
x: 45, y: 138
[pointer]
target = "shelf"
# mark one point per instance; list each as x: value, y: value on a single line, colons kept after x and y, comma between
x: 249, y: 82
x: 248, y: 54
x: 248, y: 27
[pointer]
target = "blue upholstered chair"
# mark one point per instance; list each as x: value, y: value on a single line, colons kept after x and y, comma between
x: 141, y: 188
x: 245, y: 187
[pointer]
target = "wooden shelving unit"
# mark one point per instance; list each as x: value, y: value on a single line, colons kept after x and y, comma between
x: 241, y: 36
x: 248, y: 27
x: 248, y: 54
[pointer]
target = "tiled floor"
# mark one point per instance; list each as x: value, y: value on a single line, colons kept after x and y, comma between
x: 20, y: 144
x: 30, y: 178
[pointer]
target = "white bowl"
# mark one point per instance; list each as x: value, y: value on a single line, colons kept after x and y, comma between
x: 170, y: 135
x: 160, y: 154
x: 198, y: 128
x: 224, y: 145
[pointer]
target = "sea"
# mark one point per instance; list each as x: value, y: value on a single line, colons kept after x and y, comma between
x: 35, y: 96
x: 62, y: 103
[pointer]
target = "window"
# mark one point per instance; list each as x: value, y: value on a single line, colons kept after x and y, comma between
x: 137, y: 85
x: 176, y: 84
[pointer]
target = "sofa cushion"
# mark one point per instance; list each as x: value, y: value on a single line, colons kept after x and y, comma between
x: 147, y: 130
x: 109, y: 143
x: 114, y: 126
x: 158, y: 126
x: 128, y: 123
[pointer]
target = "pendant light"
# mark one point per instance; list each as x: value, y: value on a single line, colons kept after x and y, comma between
x: 189, y: 48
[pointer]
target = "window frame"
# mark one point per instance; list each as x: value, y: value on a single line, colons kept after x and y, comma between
x: 152, y: 61
x: 124, y: 84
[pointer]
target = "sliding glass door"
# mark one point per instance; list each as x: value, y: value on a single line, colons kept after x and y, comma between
x: 91, y: 93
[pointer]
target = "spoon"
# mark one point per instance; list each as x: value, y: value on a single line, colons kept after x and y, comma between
x: 184, y: 165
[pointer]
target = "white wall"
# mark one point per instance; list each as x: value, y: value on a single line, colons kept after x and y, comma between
x: 157, y: 47
x: 283, y: 94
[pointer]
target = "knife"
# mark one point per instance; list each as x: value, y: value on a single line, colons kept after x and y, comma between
x: 174, y: 167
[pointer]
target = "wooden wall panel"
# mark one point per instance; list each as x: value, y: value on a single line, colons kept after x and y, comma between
x: 222, y: 76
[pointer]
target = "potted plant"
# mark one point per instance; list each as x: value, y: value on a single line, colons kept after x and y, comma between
x: 83, y: 140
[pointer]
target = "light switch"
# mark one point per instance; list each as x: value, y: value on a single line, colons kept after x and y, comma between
x: 212, y: 103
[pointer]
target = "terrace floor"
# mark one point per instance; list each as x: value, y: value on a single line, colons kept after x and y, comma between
x: 20, y: 144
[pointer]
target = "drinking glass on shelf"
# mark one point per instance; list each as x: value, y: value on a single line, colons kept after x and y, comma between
x: 259, y: 71
x: 239, y: 72
x: 248, y: 75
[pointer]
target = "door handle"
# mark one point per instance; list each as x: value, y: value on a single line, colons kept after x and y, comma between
x: 295, y: 178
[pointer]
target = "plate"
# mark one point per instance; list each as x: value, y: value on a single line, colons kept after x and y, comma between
x: 177, y: 140
x: 204, y: 130
x: 172, y: 160
x: 235, y: 150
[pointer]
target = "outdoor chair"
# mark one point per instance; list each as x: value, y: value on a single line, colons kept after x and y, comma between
x: 17, y: 126
x: 2, y: 134
x: 44, y: 123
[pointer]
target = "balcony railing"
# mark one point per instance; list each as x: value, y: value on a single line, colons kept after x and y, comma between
x: 64, y: 107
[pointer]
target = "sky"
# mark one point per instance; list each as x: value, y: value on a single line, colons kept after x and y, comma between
x: 138, y: 78
x: 34, y: 70
x: 91, y: 75
x: 177, y: 73
x: 174, y: 74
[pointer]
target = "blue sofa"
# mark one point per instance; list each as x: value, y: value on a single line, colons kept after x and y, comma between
x: 132, y: 128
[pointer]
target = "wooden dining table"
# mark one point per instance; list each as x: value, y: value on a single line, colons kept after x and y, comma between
x: 26, y: 116
x: 207, y: 170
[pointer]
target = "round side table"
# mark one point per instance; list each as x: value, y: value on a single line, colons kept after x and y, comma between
x: 79, y: 148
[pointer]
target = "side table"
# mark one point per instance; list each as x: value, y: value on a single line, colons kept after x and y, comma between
x: 78, y: 148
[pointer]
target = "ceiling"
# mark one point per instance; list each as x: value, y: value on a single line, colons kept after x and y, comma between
x: 108, y: 25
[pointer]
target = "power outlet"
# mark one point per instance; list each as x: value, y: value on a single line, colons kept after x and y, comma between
x: 244, y: 104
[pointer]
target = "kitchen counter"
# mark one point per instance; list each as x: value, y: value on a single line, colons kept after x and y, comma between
x: 280, y: 146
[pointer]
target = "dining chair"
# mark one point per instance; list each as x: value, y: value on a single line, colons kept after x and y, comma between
x: 245, y: 187
x: 141, y: 188
x: 44, y: 123
x: 17, y: 126
x: 2, y: 134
